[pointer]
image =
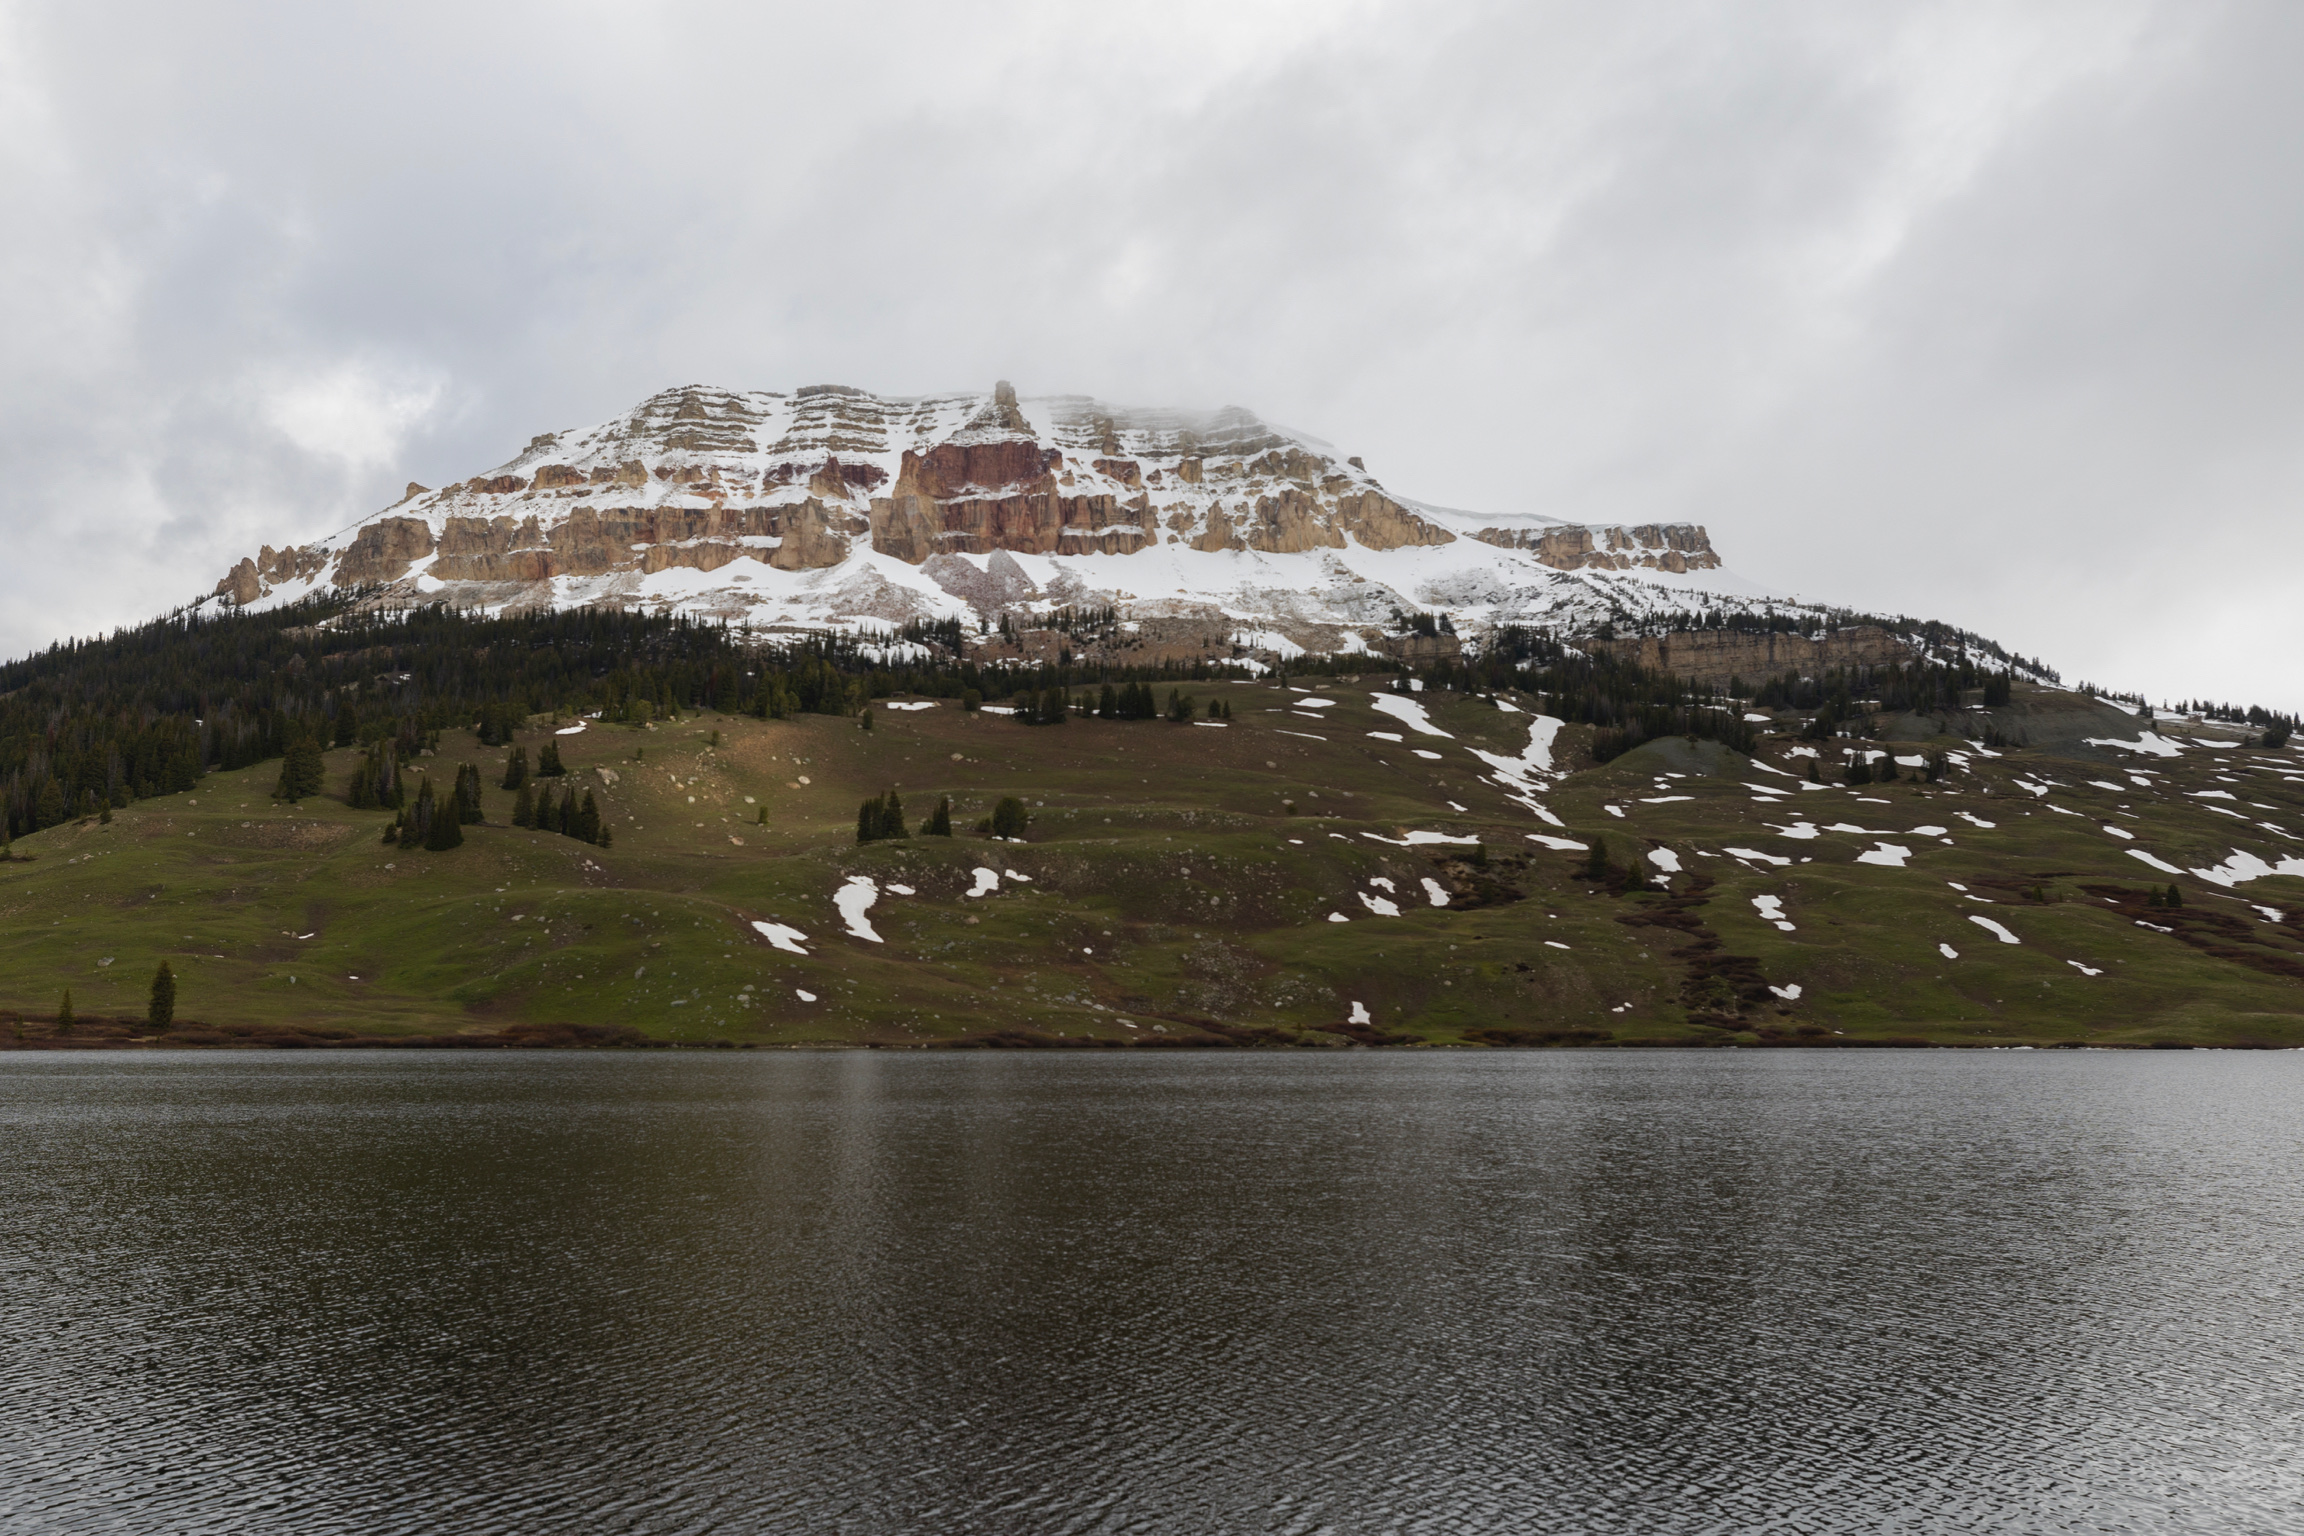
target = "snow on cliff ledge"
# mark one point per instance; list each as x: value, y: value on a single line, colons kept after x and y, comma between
x: 829, y: 506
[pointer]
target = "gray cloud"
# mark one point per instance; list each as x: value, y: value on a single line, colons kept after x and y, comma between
x: 1975, y: 311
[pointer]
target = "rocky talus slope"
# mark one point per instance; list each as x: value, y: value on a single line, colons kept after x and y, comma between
x: 833, y: 506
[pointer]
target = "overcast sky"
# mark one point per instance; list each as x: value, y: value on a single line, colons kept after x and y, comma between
x: 1982, y: 312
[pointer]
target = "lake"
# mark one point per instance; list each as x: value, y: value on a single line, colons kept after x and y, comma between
x: 1177, y: 1292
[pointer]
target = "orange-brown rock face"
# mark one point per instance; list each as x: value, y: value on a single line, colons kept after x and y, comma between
x: 813, y: 537
x: 493, y: 549
x: 973, y: 498
x: 1571, y: 547
x: 383, y: 551
x: 1290, y: 523
x: 1379, y: 522
x: 241, y: 584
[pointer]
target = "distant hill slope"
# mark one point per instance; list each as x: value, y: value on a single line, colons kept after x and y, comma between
x: 1342, y: 864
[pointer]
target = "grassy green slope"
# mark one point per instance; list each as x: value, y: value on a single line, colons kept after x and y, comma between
x: 1167, y: 889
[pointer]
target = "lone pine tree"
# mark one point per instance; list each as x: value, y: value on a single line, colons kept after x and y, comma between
x: 1009, y: 818
x: 161, y: 1012
x: 301, y: 770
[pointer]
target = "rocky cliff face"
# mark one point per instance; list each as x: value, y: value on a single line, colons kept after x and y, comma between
x: 832, y: 505
x: 1717, y: 657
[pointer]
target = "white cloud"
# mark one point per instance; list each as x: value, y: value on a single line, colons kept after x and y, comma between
x: 347, y: 412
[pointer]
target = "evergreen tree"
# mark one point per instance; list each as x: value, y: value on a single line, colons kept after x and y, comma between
x: 566, y: 821
x: 468, y: 795
x: 347, y: 726
x: 447, y: 829
x: 606, y: 839
x: 1884, y: 772
x: 588, y: 819
x: 880, y: 819
x: 516, y: 768
x: 867, y: 717
x: 2175, y: 896
x: 416, y: 827
x: 524, y: 807
x: 940, y: 820
x: 162, y: 1011
x: 1596, y: 860
x: 1107, y: 703
x: 301, y: 770
x: 49, y: 809
x: 1858, y: 771
x: 1009, y: 818
x: 104, y: 816
x: 1813, y: 776
x: 64, y: 1018
x: 548, y: 761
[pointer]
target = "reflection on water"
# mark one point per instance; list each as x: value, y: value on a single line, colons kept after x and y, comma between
x: 1177, y: 1293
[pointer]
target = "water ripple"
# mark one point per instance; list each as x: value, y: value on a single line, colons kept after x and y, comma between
x: 1671, y: 1292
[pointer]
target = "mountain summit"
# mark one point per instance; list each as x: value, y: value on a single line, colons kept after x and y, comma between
x: 831, y: 506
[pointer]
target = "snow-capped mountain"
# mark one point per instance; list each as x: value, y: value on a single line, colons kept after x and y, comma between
x: 833, y: 507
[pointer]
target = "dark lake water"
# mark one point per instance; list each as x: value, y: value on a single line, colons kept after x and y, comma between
x: 1655, y: 1292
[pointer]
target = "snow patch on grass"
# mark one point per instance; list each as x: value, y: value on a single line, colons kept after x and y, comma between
x: 1408, y: 712
x: 855, y: 899
x: 1995, y: 929
x: 2244, y: 867
x: 2149, y: 742
x: 783, y: 937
